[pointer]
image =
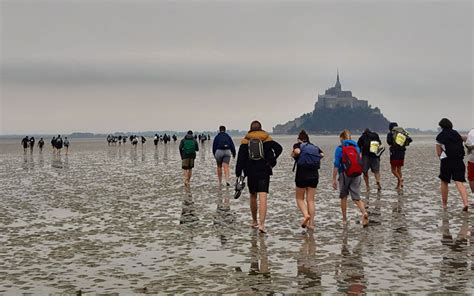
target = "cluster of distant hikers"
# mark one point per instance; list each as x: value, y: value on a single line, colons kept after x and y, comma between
x: 134, y: 139
x: 258, y: 154
x: 56, y: 142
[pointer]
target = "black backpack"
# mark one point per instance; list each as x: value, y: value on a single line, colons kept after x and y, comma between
x: 256, y: 149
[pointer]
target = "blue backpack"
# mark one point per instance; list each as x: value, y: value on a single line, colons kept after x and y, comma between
x: 310, y: 156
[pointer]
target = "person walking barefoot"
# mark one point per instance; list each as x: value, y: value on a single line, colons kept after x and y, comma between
x: 348, y: 165
x: 257, y: 156
x: 223, y: 149
x: 450, y: 150
x: 307, y: 162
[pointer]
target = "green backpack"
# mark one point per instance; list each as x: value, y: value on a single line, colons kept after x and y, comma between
x: 189, y: 147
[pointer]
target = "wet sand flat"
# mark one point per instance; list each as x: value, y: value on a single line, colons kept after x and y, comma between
x: 109, y: 219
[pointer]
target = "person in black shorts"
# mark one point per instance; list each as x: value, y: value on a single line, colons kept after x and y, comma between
x: 450, y: 150
x: 25, y: 142
x: 257, y: 156
x: 306, y: 179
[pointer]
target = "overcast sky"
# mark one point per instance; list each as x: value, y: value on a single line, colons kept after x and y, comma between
x: 106, y: 66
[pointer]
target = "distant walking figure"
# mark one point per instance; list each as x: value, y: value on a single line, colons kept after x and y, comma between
x: 32, y: 144
x: 41, y: 144
x: 223, y: 148
x: 53, y: 144
x: 369, y: 143
x: 398, y: 139
x: 307, y: 162
x: 187, y: 149
x: 257, y: 156
x: 348, y: 165
x: 59, y: 144
x: 24, y: 142
x: 450, y: 150
x: 66, y: 144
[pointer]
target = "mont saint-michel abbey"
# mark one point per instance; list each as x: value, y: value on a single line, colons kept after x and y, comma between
x: 334, y: 111
x: 335, y: 97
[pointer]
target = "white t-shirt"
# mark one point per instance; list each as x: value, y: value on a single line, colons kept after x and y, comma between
x: 470, y: 144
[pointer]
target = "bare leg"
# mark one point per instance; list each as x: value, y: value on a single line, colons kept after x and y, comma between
x: 365, y: 215
x: 377, y: 179
x: 190, y: 173
x: 219, y: 173
x: 253, y: 208
x: 262, y: 211
x: 310, y: 197
x: 302, y: 206
x: 366, y: 179
x: 226, y: 172
x: 344, y: 209
x: 395, y: 173
x: 444, y: 193
x: 462, y: 190
x: 399, y: 170
x: 471, y: 184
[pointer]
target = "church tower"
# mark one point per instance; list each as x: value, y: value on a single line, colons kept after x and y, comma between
x: 338, y: 83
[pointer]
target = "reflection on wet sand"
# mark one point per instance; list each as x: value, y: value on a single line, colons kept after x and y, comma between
x: 224, y: 218
x: 188, y: 209
x: 103, y: 221
x: 350, y: 270
x: 258, y: 256
x: 455, y: 256
x: 309, y: 276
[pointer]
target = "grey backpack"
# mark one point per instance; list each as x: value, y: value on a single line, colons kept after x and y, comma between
x: 256, y: 149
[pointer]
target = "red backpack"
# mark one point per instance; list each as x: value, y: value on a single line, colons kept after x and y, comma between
x: 351, y: 162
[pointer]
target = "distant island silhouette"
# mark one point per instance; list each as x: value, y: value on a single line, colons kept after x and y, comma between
x: 334, y: 111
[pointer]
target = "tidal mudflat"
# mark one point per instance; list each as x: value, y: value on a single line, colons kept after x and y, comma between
x: 115, y: 220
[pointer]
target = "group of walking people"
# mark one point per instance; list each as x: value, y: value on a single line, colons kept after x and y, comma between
x: 57, y: 143
x: 258, y: 154
x: 29, y: 142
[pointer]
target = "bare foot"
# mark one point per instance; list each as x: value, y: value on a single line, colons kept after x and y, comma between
x: 379, y: 187
x: 465, y: 208
x: 254, y: 225
x: 261, y: 230
x: 365, y: 219
x: 305, y: 221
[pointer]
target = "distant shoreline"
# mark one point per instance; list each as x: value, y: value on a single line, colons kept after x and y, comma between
x: 85, y: 135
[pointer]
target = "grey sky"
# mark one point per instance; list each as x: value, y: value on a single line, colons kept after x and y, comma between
x: 106, y: 66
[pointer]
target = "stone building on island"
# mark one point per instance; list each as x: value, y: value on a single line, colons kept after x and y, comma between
x: 335, y: 97
x: 335, y: 110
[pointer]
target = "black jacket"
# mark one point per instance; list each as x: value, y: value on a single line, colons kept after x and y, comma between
x: 258, y: 168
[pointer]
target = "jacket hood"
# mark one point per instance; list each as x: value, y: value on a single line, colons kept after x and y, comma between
x: 189, y: 137
x: 349, y: 143
x: 261, y: 135
x: 392, y: 125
